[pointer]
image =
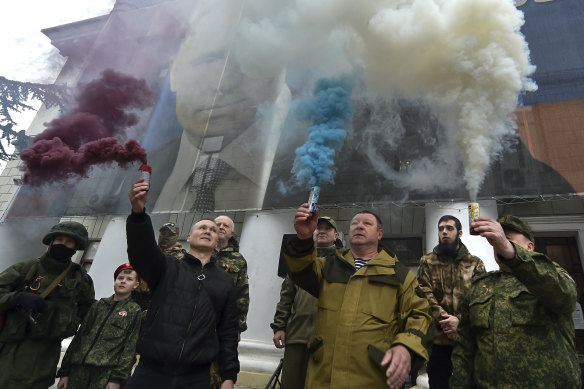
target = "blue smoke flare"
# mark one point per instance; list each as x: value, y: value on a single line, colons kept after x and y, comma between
x: 330, y: 111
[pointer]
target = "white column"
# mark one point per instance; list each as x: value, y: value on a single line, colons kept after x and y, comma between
x: 476, y: 245
x: 261, y: 239
x: 111, y: 253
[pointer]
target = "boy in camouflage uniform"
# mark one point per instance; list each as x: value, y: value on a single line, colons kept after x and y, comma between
x: 102, y: 353
x: 230, y: 260
x: 516, y: 328
x: 35, y: 322
x: 445, y: 275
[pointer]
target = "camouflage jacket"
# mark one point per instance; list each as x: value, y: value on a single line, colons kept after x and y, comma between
x: 176, y: 251
x: 67, y: 304
x: 230, y: 260
x: 295, y: 313
x: 107, y: 338
x: 516, y: 329
x: 445, y: 282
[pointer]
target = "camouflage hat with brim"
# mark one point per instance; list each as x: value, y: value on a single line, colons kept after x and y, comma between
x: 329, y: 220
x: 169, y: 228
x: 516, y: 224
x: 73, y: 230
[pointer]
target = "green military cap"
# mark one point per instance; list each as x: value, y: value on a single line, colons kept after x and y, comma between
x: 514, y: 223
x: 329, y: 220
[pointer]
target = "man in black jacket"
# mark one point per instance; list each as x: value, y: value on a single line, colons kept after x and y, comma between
x: 192, y: 318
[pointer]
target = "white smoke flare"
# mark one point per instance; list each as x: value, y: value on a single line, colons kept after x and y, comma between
x: 466, y: 60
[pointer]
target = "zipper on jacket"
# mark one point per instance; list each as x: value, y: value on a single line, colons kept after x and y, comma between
x: 200, y: 277
x: 99, y: 331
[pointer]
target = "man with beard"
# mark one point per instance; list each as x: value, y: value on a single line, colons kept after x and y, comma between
x: 42, y: 302
x: 445, y: 276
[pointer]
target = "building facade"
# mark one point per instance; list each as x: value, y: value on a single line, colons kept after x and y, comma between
x: 221, y: 141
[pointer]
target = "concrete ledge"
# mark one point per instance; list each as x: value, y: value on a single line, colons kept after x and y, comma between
x: 258, y: 356
x: 252, y: 379
x: 258, y: 362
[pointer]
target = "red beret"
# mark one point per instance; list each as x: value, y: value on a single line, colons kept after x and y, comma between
x: 124, y: 266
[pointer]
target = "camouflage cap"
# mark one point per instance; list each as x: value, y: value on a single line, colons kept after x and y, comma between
x: 516, y: 224
x: 168, y: 235
x: 329, y: 220
x: 73, y: 230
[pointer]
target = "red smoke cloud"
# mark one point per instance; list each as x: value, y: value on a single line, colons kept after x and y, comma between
x: 89, y: 134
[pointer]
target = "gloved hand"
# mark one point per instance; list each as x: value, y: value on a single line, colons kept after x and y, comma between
x: 30, y: 302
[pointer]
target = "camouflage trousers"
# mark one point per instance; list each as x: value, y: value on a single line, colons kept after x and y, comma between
x: 89, y: 377
x: 215, y: 377
x: 29, y: 364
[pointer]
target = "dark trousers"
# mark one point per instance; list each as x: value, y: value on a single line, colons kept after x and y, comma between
x: 146, y: 376
x: 89, y: 377
x: 294, y: 367
x: 440, y: 367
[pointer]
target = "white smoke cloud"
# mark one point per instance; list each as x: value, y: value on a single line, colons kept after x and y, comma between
x: 465, y: 60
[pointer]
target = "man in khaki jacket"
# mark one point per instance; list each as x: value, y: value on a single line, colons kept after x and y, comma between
x: 370, y: 320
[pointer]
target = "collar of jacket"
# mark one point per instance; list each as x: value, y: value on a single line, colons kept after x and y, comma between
x: 110, y: 300
x: 51, y: 265
x: 381, y: 268
x: 232, y: 245
x: 383, y: 263
x: 460, y: 253
x: 195, y: 262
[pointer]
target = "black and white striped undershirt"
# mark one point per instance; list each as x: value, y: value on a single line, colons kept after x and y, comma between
x: 359, y: 262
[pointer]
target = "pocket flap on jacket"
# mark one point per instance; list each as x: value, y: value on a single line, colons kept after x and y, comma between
x: 386, y: 279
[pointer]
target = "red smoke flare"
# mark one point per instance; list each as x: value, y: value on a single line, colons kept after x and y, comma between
x: 89, y: 134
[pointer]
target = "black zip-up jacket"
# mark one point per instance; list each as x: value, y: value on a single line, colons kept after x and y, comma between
x: 192, y: 318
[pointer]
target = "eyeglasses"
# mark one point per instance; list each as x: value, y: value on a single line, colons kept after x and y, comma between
x: 169, y: 224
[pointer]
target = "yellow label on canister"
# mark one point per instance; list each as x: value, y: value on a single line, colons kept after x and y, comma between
x: 474, y: 211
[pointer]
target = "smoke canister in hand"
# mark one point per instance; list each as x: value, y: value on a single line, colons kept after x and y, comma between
x: 474, y: 211
x: 313, y: 198
x: 146, y: 172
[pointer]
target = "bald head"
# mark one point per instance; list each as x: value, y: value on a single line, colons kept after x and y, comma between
x: 225, y: 230
x: 203, y: 236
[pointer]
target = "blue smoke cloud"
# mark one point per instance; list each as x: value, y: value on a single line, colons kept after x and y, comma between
x: 331, y: 114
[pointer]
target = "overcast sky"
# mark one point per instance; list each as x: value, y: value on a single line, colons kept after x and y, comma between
x: 27, y: 54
